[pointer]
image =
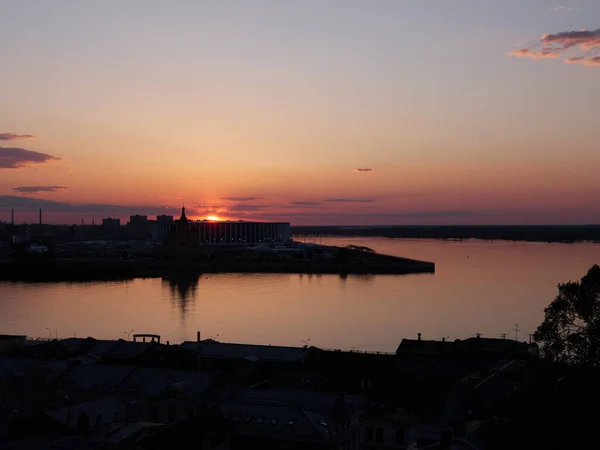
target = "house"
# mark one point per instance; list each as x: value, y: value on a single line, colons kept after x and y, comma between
x: 80, y: 419
x: 166, y: 395
x: 244, y: 362
x: 208, y: 429
x: 284, y: 418
x: 9, y: 343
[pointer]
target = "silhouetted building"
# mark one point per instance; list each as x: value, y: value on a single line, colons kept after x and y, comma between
x: 139, y: 227
x: 241, y: 232
x: 161, y: 228
x: 182, y: 241
x: 111, y: 227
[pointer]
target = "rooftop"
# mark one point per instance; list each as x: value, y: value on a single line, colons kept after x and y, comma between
x: 101, y: 411
x: 98, y: 376
x: 475, y: 344
x: 6, y: 337
x: 153, y: 382
x: 277, y: 420
x: 214, y: 349
x: 323, y: 402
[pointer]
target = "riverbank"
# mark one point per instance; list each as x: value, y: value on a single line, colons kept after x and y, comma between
x: 529, y: 233
x: 77, y: 269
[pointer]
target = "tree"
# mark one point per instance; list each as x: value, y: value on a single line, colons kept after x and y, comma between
x: 570, y: 332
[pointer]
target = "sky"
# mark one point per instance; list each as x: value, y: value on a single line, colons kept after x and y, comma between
x: 317, y: 112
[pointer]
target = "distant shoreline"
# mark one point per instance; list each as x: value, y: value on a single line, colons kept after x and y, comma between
x: 101, y: 269
x: 526, y: 233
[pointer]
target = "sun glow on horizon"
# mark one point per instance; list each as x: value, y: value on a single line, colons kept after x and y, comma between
x: 213, y: 218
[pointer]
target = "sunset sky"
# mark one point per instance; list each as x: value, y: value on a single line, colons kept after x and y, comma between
x: 314, y: 111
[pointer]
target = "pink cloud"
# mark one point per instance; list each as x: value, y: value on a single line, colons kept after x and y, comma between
x: 552, y: 46
x: 586, y: 39
x: 560, y: 8
x: 584, y: 61
x: 534, y: 54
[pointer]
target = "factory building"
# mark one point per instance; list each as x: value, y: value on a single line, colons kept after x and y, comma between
x: 231, y: 232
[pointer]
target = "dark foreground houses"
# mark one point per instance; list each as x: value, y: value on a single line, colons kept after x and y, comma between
x: 477, y: 393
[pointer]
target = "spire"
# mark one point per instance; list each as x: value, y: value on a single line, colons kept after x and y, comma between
x: 183, y: 217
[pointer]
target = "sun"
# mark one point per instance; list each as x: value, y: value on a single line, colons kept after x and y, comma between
x: 213, y: 218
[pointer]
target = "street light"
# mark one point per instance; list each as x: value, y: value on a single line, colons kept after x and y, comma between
x: 50, y: 332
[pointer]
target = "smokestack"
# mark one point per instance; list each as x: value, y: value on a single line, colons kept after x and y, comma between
x: 12, y: 216
x: 419, y: 336
x: 81, y: 222
x: 93, y: 222
x: 40, y: 216
x: 198, y: 351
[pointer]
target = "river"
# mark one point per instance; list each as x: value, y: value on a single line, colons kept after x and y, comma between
x: 491, y: 288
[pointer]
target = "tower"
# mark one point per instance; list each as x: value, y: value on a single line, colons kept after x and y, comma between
x: 183, y: 217
x: 40, y: 216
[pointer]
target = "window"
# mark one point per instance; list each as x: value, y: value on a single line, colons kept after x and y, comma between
x: 368, y: 434
x: 400, y: 439
x: 379, y: 435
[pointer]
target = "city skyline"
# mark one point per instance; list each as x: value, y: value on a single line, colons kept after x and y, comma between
x: 338, y: 113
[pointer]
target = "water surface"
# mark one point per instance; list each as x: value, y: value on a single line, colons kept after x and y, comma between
x: 479, y: 287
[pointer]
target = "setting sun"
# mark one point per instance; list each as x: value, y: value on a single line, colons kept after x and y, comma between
x: 213, y: 218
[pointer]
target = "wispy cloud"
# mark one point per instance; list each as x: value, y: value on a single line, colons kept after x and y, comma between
x: 13, y: 158
x: 239, y: 199
x: 554, y: 45
x: 534, y: 54
x: 14, y: 137
x: 32, y: 204
x: 303, y: 203
x: 560, y: 8
x: 364, y: 170
x: 589, y: 61
x: 37, y: 189
x: 349, y: 200
x: 391, y: 214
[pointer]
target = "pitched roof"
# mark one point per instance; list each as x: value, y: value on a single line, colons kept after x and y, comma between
x: 100, y: 348
x: 278, y: 421
x: 100, y: 412
x: 98, y: 376
x: 322, y: 402
x: 154, y: 382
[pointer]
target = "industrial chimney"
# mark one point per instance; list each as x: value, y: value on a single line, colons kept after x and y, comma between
x: 40, y: 216
x: 12, y: 217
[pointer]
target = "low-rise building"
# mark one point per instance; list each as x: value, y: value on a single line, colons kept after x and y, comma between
x: 10, y: 342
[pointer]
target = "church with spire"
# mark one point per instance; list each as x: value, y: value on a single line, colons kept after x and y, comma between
x: 182, y: 241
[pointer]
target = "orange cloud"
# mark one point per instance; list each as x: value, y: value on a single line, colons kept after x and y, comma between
x: 534, y: 54
x: 552, y: 45
x: 589, y: 61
